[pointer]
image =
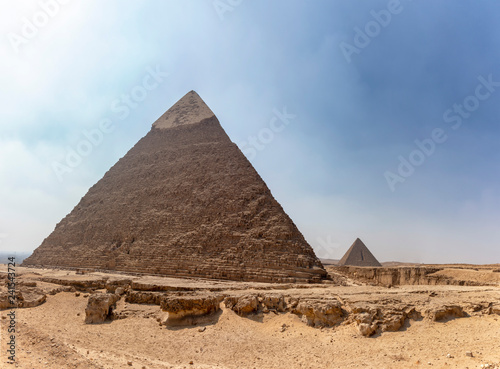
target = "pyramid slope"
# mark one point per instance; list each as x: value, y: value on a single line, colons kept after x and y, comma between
x: 184, y: 201
x: 359, y: 255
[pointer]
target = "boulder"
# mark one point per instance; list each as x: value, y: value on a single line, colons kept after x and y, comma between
x: 100, y: 307
x: 243, y: 305
x: 392, y: 320
x: 367, y: 330
x: 445, y: 312
x: 320, y: 313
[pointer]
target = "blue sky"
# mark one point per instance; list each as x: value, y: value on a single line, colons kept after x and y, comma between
x: 363, y: 80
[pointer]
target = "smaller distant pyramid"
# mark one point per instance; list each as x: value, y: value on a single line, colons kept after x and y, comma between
x: 359, y: 255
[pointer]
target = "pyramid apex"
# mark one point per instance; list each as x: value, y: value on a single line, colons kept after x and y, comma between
x: 190, y: 109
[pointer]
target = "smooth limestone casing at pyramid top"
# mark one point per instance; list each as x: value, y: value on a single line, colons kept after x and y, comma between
x: 359, y: 255
x: 184, y: 201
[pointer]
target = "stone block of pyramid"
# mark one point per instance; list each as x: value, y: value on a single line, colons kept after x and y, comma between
x: 359, y: 255
x: 184, y: 201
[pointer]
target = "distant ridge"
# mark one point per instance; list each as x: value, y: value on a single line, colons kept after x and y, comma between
x: 20, y: 256
x: 359, y: 255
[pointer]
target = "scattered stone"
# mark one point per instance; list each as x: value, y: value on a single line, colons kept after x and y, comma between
x: 202, y: 329
x: 469, y: 354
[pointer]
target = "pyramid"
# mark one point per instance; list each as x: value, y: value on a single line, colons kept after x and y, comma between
x: 359, y: 255
x: 185, y: 202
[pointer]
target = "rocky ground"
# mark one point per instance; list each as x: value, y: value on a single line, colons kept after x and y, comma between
x: 98, y: 320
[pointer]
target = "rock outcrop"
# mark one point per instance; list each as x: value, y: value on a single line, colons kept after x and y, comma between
x: 184, y: 310
x: 495, y: 308
x: 174, y: 302
x: 25, y: 298
x: 243, y: 305
x: 184, y: 201
x: 374, y: 319
x: 395, y: 276
x: 440, y: 313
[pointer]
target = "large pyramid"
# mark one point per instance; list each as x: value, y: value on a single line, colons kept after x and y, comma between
x: 184, y: 201
x: 359, y: 255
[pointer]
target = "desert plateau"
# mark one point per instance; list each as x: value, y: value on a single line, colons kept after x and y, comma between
x: 439, y: 317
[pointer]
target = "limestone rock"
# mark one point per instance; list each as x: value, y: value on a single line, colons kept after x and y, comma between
x: 367, y: 329
x: 113, y: 284
x: 184, y: 309
x: 392, y: 321
x: 376, y: 319
x: 243, y: 305
x: 394, y: 276
x: 274, y: 302
x: 5, y: 302
x: 495, y: 308
x: 320, y: 313
x: 445, y: 312
x: 25, y: 298
x: 31, y: 297
x: 146, y: 297
x: 100, y: 307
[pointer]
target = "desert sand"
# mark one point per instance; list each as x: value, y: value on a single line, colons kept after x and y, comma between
x: 293, y: 326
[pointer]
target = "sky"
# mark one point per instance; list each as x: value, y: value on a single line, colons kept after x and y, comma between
x: 370, y: 119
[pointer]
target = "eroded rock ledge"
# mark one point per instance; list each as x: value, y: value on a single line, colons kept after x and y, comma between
x: 371, y: 317
x: 175, y: 302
